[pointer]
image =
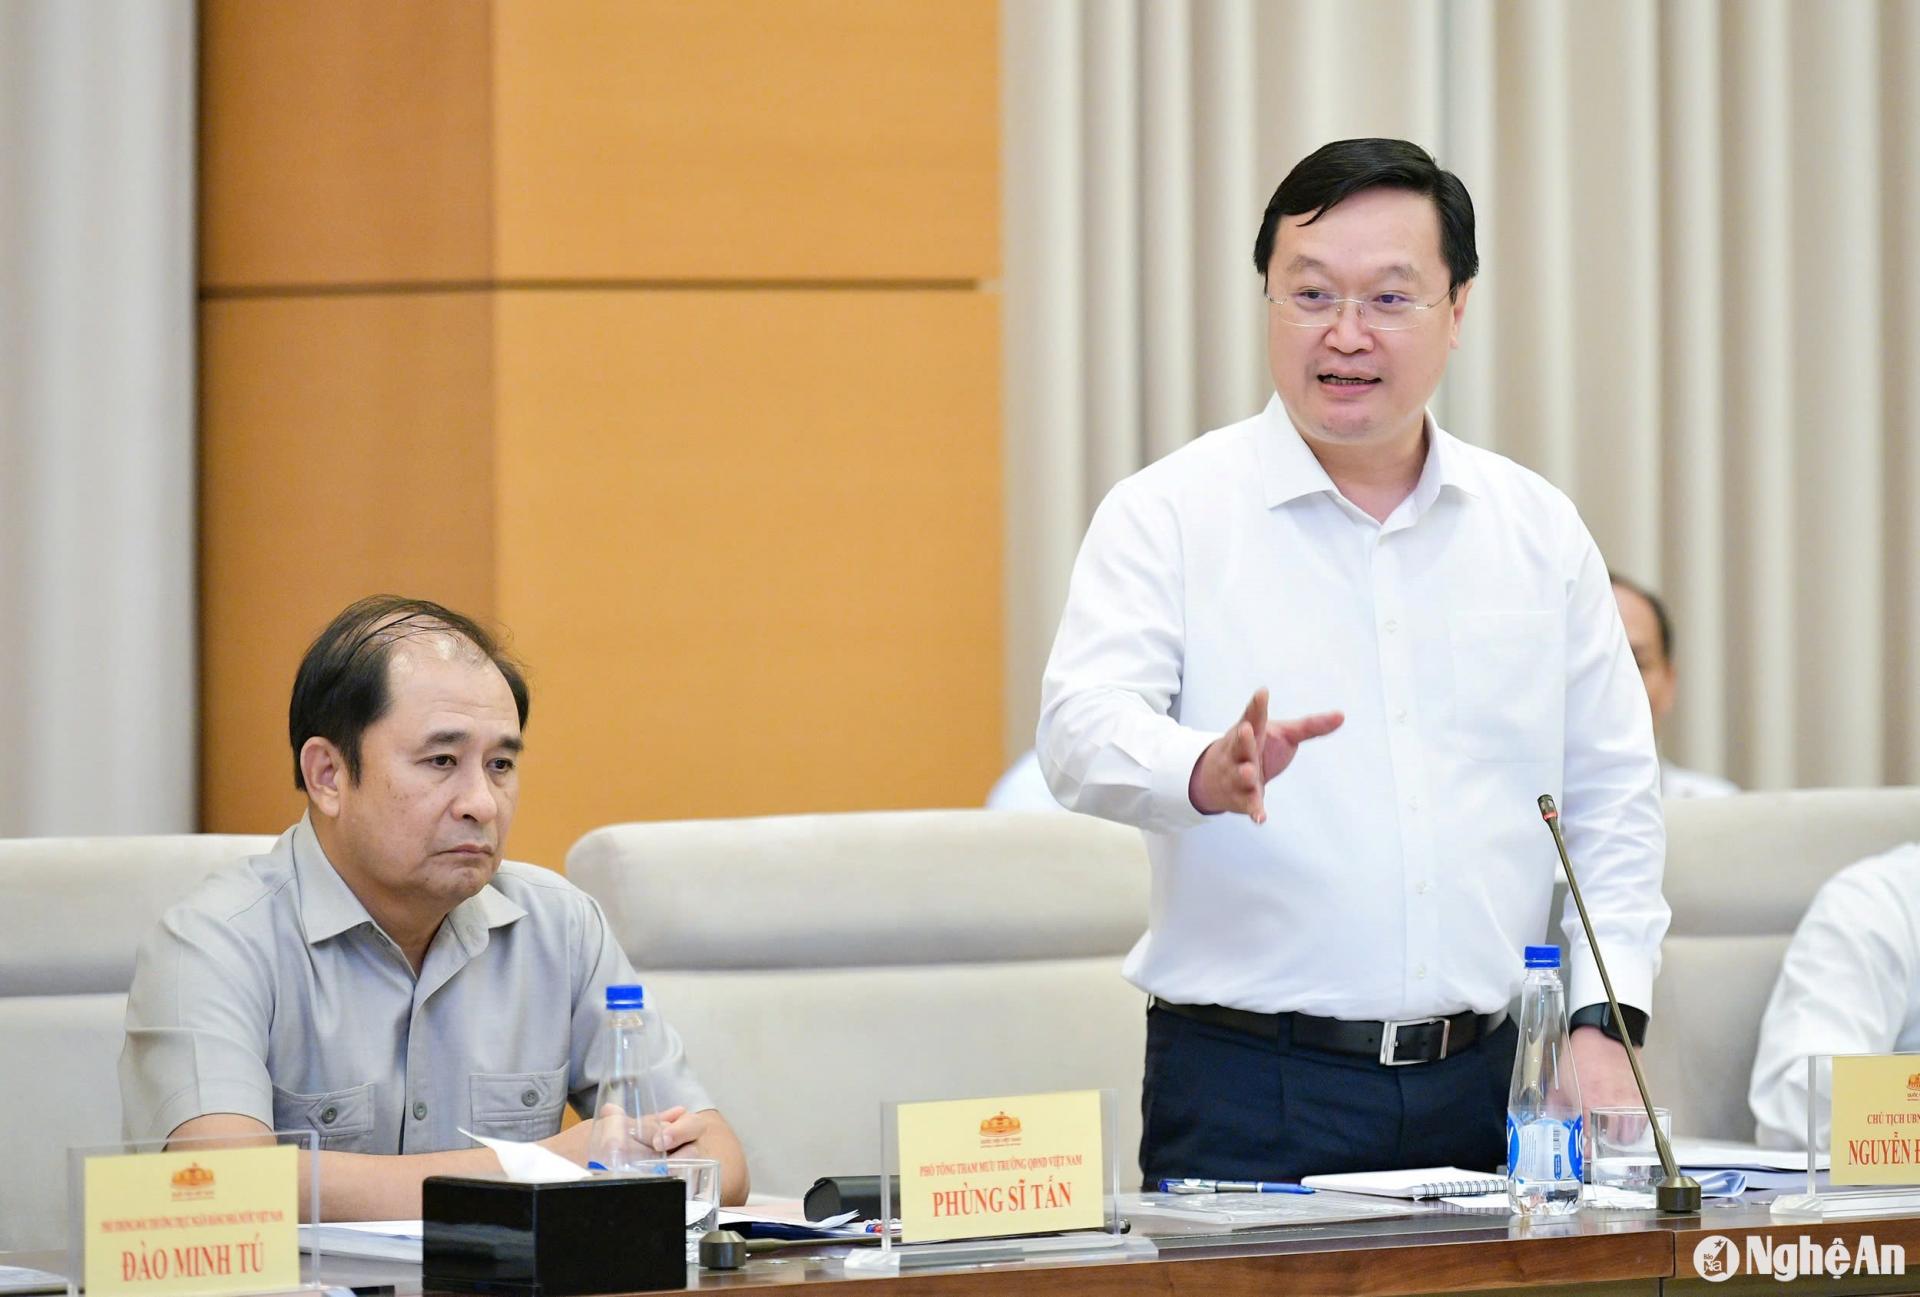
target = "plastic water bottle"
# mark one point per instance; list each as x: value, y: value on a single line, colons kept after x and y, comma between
x: 620, y: 1141
x: 1543, y: 1104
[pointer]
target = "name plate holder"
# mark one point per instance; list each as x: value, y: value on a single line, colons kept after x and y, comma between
x: 997, y: 1179
x: 203, y: 1216
x: 1863, y: 1121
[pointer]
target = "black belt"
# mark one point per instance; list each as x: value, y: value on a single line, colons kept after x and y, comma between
x: 1392, y: 1044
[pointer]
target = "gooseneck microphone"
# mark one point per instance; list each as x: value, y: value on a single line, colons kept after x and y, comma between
x: 1675, y: 1192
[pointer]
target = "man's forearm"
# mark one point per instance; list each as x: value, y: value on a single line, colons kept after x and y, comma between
x: 353, y: 1186
x: 370, y: 1186
x: 717, y: 1141
x: 733, y: 1172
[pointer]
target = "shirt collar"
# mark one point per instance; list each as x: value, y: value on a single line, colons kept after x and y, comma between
x: 1289, y: 469
x: 1449, y: 461
x: 328, y: 906
x: 480, y: 913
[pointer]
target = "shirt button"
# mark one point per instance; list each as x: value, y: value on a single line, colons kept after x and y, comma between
x: 1421, y: 887
x: 1420, y: 971
x: 328, y: 1115
x: 1400, y: 717
x: 529, y: 1097
x: 419, y: 1112
x: 1413, y: 803
x: 1391, y: 626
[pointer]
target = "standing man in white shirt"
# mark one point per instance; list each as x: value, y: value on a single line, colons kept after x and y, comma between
x: 1328, y: 658
x: 1650, y: 636
x: 1850, y: 984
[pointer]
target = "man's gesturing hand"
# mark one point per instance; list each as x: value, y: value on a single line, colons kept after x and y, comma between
x: 1232, y: 774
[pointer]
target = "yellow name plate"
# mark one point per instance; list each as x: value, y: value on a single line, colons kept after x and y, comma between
x: 198, y: 1222
x: 1876, y: 1119
x: 1021, y: 1164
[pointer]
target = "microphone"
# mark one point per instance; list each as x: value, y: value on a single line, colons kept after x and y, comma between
x: 1675, y: 1192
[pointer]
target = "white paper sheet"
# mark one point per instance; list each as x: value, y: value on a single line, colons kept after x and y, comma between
x: 747, y: 1215
x: 25, y: 1279
x: 530, y: 1163
x: 379, y: 1240
x: 1716, y: 1153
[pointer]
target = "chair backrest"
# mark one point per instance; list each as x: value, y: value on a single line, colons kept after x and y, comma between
x: 819, y: 965
x: 1741, y: 872
x: 75, y: 910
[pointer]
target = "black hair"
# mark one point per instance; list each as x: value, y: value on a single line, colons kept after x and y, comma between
x: 1664, y: 622
x: 1335, y: 172
x: 341, y: 687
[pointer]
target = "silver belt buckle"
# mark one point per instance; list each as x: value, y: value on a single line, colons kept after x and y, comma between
x: 1390, y: 1039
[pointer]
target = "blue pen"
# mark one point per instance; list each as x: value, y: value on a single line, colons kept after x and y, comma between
x: 1230, y: 1186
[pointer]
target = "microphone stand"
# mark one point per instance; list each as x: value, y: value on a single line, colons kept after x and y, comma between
x: 1675, y: 1192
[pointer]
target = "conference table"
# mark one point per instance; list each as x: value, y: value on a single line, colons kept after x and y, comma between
x: 1593, y: 1252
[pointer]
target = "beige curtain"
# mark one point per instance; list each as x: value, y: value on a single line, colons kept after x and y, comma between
x: 97, y: 670
x: 1698, y: 311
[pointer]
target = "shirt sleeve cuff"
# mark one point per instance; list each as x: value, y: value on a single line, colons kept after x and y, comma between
x: 1173, y: 762
x: 1632, y: 981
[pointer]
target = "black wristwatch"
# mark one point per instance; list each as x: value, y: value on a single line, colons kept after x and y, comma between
x: 1599, y: 1015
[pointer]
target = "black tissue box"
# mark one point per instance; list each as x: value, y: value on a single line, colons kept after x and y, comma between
x: 553, y: 1240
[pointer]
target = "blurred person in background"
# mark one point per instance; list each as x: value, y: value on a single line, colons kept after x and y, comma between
x: 1650, y: 632
x: 1850, y: 984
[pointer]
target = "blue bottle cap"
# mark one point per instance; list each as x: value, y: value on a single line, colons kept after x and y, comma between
x: 630, y: 995
x: 1537, y: 957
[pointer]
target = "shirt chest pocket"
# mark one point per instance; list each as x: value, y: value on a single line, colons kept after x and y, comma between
x: 342, y: 1118
x: 1509, y: 684
x: 518, y: 1105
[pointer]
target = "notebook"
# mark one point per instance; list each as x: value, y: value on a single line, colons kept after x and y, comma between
x: 1422, y: 1182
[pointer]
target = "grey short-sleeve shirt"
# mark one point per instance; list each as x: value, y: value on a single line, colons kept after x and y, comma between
x: 272, y: 993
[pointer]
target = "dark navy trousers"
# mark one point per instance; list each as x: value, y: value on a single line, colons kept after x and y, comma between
x: 1226, y: 1105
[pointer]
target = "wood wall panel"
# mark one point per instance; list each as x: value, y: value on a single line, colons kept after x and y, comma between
x: 345, y: 142
x: 755, y: 139
x: 346, y: 449
x: 749, y: 543
x: 653, y: 331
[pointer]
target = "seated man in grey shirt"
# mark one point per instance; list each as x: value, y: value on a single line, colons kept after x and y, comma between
x: 381, y: 976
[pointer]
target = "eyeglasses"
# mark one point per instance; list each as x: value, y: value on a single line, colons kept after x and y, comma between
x: 1316, y: 308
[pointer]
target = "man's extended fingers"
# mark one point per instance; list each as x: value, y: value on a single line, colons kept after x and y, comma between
x: 1309, y: 727
x: 1256, y: 721
x: 1256, y: 713
x: 1246, y: 743
x: 662, y: 1123
x: 1245, y: 789
x: 1231, y: 774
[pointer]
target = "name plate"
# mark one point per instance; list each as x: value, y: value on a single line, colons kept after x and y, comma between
x: 1020, y: 1164
x: 1876, y: 1119
x: 202, y: 1221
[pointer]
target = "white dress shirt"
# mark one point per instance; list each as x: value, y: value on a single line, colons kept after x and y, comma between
x: 1474, y: 644
x: 1850, y: 984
